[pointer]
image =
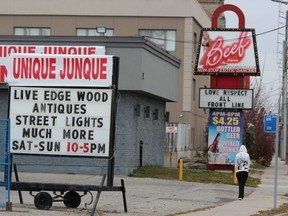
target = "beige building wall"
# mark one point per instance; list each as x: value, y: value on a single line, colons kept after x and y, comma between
x: 210, y: 6
x: 126, y: 17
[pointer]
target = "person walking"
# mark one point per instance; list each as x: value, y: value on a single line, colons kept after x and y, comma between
x: 242, y: 165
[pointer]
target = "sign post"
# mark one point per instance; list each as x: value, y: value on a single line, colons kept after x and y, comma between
x: 271, y: 125
x: 63, y: 104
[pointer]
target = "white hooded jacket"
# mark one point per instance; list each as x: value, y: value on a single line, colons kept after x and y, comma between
x: 242, y: 160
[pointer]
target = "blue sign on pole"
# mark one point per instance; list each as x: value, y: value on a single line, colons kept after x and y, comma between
x: 270, y: 123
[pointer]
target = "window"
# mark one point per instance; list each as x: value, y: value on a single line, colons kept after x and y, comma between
x: 147, y: 112
x: 194, y: 89
x: 195, y: 42
x: 92, y: 32
x: 24, y: 31
x: 155, y: 114
x: 164, y: 38
x: 137, y: 110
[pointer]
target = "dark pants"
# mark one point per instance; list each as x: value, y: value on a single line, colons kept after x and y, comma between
x: 241, y: 177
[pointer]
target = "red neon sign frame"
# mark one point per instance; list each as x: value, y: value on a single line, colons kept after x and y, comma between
x: 227, y: 52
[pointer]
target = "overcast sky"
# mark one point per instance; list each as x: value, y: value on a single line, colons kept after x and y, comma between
x: 262, y: 15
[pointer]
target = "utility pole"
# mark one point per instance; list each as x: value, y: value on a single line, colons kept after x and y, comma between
x: 285, y: 90
x: 284, y: 82
x: 284, y: 94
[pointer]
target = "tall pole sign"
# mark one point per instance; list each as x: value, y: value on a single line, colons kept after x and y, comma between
x: 229, y: 56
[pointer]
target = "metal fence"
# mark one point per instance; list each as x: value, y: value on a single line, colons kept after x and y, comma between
x: 177, y: 137
x: 5, y: 164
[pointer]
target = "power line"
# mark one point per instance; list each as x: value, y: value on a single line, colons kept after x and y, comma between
x: 266, y: 32
x: 196, y: 42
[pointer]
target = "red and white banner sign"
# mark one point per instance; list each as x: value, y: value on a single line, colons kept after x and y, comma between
x: 60, y: 70
x: 227, y: 52
x: 171, y: 129
x: 60, y: 121
x: 6, y: 50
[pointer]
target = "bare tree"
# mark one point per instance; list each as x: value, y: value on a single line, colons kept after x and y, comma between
x: 260, y: 145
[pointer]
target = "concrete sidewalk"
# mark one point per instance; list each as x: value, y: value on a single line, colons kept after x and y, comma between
x: 260, y: 200
x: 158, y: 197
